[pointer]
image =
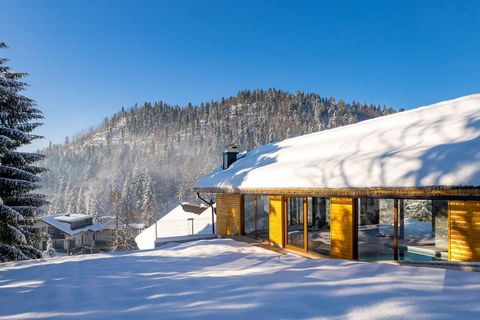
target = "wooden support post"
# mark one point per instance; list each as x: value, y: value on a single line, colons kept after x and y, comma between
x: 242, y: 215
x: 395, y: 229
x: 255, y: 215
x: 305, y: 224
x: 355, y: 213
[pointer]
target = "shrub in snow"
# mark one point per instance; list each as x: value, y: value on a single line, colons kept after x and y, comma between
x: 50, y: 252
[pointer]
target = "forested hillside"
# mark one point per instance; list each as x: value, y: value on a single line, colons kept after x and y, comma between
x: 145, y: 159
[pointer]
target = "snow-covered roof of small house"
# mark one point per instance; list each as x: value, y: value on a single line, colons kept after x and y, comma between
x: 436, y: 145
x: 73, y: 217
x: 63, y: 222
x: 193, y: 208
x: 185, y: 220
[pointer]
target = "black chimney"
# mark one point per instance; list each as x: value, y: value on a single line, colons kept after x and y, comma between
x: 229, y: 156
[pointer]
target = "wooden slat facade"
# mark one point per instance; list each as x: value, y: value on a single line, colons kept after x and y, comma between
x: 463, y: 225
x: 229, y: 214
x: 464, y: 230
x: 275, y: 220
x: 342, y: 228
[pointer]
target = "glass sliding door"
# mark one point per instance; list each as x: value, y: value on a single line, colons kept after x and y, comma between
x: 255, y: 216
x: 262, y: 217
x: 295, y: 227
x: 318, y: 217
x: 423, y: 230
x: 375, y: 229
x: 416, y: 230
x: 249, y: 215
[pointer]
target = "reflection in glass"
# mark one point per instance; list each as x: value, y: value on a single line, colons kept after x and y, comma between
x: 375, y: 229
x: 318, y: 217
x: 255, y: 216
x: 249, y: 215
x: 262, y: 217
x: 423, y: 230
x: 295, y: 226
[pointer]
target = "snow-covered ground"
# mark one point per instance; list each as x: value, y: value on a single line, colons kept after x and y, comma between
x: 224, y: 279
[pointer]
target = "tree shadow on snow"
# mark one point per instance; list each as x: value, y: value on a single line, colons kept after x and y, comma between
x: 232, y: 285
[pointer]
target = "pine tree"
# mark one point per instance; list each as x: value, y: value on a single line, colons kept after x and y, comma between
x: 127, y: 232
x: 127, y: 203
x: 92, y: 205
x: 18, y: 176
x: 148, y: 201
x: 57, y: 204
x: 67, y: 192
x: 115, y: 202
x: 72, y: 200
x: 80, y: 205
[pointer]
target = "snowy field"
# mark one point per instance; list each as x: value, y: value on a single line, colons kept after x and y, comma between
x: 224, y: 279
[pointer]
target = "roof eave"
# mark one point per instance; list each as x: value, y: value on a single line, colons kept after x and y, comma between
x: 452, y: 192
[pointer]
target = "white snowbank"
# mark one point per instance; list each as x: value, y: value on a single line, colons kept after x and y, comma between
x: 437, y: 145
x: 224, y: 279
x: 182, y: 223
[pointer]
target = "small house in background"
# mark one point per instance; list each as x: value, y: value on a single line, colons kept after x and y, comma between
x: 185, y: 222
x: 73, y: 233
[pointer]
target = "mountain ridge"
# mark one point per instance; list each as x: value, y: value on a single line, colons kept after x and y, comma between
x: 169, y: 147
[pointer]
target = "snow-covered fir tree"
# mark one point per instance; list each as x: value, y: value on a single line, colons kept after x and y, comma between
x: 148, y: 201
x: 80, y: 203
x: 18, y: 176
x: 127, y: 231
x: 420, y: 210
x: 92, y: 205
x: 115, y: 202
x: 120, y: 199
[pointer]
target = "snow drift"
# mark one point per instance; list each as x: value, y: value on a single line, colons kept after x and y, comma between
x: 224, y: 279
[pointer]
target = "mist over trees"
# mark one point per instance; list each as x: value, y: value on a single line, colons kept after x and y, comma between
x: 144, y: 160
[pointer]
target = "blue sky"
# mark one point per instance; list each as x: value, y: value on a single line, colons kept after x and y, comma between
x: 87, y: 59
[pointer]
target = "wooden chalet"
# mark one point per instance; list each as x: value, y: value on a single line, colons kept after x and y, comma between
x: 399, y: 187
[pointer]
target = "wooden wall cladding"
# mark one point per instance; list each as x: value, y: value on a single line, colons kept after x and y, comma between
x: 464, y: 230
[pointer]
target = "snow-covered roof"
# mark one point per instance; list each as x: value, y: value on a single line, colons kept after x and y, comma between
x: 60, y: 221
x: 72, y: 217
x: 177, y: 223
x: 436, y: 145
x: 192, y: 208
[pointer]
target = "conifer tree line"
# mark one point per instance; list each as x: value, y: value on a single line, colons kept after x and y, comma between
x: 144, y: 160
x: 19, y: 177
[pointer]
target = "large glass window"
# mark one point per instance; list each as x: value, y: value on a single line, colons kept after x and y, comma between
x: 423, y: 230
x: 249, y: 215
x: 255, y: 216
x: 420, y: 228
x: 262, y: 217
x: 318, y: 217
x: 376, y: 229
x: 294, y: 222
